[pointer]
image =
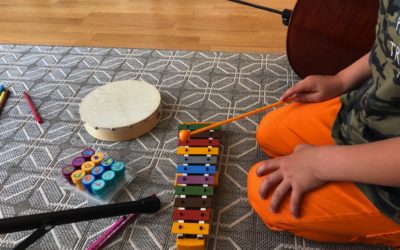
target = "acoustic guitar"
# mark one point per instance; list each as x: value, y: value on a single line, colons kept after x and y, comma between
x: 326, y: 36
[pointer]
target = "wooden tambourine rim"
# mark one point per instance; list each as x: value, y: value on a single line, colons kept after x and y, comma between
x: 128, y: 132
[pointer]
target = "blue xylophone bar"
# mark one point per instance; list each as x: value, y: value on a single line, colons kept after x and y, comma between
x: 196, y: 169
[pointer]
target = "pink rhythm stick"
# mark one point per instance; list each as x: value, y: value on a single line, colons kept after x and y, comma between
x: 33, y: 107
x: 112, y: 231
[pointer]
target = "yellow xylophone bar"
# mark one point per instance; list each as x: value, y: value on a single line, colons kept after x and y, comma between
x: 183, y: 150
x: 190, y: 228
x: 190, y: 244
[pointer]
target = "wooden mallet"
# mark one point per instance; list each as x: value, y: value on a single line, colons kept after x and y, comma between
x: 184, y: 135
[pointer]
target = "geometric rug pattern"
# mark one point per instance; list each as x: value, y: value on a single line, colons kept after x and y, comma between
x: 195, y: 86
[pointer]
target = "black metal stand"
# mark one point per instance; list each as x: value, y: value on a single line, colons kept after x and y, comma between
x: 34, y: 237
x: 44, y: 222
x: 286, y: 14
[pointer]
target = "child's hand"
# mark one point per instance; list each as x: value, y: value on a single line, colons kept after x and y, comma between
x: 315, y: 89
x: 295, y: 172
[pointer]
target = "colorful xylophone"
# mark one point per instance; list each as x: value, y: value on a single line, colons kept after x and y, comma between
x: 197, y: 175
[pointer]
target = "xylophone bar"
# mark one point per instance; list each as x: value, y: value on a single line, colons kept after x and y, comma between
x: 194, y: 190
x: 200, y: 142
x: 207, y: 134
x: 195, y: 126
x: 212, y: 160
x: 197, y: 150
x: 195, y: 169
x: 195, y: 180
x: 193, y: 202
x: 189, y: 215
x: 191, y: 228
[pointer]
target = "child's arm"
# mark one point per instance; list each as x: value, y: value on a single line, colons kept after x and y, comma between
x: 356, y: 74
x: 320, y: 88
x: 374, y: 163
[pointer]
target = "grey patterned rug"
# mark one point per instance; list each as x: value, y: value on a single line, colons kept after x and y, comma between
x: 195, y: 86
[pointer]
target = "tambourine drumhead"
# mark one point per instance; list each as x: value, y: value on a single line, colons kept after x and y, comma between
x: 121, y: 110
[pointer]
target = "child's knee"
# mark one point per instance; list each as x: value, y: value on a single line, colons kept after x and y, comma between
x: 274, y: 221
x: 277, y: 222
x: 267, y: 135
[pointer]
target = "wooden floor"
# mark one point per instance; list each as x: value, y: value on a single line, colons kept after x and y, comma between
x: 205, y: 25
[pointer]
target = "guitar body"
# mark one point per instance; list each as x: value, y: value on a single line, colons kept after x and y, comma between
x: 326, y: 36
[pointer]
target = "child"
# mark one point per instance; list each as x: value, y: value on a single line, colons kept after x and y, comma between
x: 335, y: 168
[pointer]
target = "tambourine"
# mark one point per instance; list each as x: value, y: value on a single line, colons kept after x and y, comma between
x: 120, y: 111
